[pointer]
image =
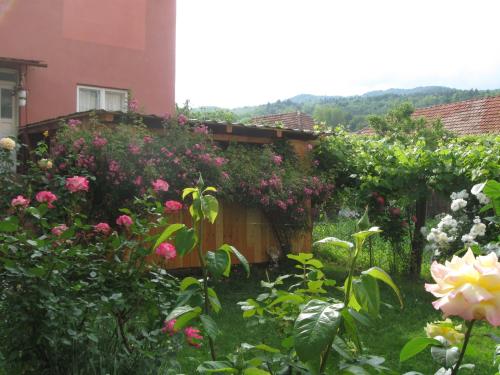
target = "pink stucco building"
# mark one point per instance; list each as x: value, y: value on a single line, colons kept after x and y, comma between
x: 67, y: 56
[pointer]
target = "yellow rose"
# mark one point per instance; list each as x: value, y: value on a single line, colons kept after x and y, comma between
x: 445, y: 329
x: 7, y: 144
x: 46, y: 133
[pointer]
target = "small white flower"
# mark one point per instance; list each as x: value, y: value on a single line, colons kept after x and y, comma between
x: 468, y: 239
x: 482, y: 198
x: 478, y: 229
x: 460, y: 195
x: 458, y: 204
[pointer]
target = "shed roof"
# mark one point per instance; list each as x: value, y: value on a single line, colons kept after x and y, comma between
x: 293, y: 120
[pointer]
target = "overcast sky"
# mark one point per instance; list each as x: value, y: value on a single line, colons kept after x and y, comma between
x: 245, y: 52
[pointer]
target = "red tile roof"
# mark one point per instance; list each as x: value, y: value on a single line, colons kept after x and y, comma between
x: 293, y: 120
x: 476, y: 116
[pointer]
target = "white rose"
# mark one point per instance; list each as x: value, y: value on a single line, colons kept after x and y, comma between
x: 457, y: 204
x: 7, y: 144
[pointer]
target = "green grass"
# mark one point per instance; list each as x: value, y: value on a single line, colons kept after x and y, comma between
x: 385, y: 338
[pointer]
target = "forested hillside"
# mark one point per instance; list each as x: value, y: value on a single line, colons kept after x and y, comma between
x: 351, y: 111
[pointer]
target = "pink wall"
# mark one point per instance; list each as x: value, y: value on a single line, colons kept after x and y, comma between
x: 125, y: 44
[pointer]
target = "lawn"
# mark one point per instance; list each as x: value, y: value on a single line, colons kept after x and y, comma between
x: 385, y: 338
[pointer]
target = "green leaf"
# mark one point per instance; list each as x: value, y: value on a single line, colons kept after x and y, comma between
x: 214, y: 300
x: 185, y: 240
x: 210, y: 367
x: 178, y: 311
x: 188, y: 191
x: 381, y: 275
x: 183, y: 319
x: 10, y: 224
x: 302, y: 258
x: 315, y: 328
x: 241, y: 258
x: 364, y: 221
x: 167, y: 233
x: 367, y: 294
x: 209, y: 207
x: 209, y: 326
x: 336, y: 242
x: 218, y: 263
x: 288, y: 298
x: 188, y: 281
x: 255, y: 371
x: 360, y: 237
x: 415, y: 346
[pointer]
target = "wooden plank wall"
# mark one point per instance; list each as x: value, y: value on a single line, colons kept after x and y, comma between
x: 245, y: 228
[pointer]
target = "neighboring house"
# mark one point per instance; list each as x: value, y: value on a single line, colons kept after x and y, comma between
x: 475, y: 116
x: 64, y: 56
x: 293, y: 120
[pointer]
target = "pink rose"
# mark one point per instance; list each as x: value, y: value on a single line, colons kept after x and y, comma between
x: 124, y: 220
x: 166, y: 250
x: 20, y: 201
x: 99, y: 142
x: 138, y: 181
x: 160, y: 185
x: 468, y: 287
x: 192, y: 336
x: 46, y: 197
x: 77, y: 183
x: 102, y: 228
x: 277, y: 159
x: 147, y: 139
x: 182, y: 119
x: 172, y: 207
x: 74, y: 122
x: 59, y: 230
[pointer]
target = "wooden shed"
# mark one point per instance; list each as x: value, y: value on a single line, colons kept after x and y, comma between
x: 246, y: 228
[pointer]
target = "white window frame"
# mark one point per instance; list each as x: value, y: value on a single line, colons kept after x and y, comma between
x: 102, y: 95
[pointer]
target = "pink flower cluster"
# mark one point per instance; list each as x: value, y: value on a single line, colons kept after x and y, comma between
x: 20, y: 202
x: 46, y: 197
x: 160, y: 185
x: 172, y: 207
x: 99, y: 141
x: 72, y: 123
x: 133, y: 105
x: 102, y: 228
x: 192, y: 334
x: 76, y: 184
x: 182, y: 120
x: 124, y: 220
x: 59, y: 230
x: 166, y: 250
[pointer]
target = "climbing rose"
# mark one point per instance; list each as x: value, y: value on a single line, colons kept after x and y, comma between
x: 46, y: 197
x: 77, y: 183
x: 59, y: 230
x: 133, y: 105
x: 182, y: 119
x: 7, y: 144
x: 160, y: 185
x: 192, y: 335
x: 124, y: 220
x: 468, y: 287
x: 166, y: 250
x: 168, y: 327
x: 445, y: 329
x: 74, y: 122
x: 20, y: 201
x: 102, y: 228
x: 277, y: 159
x: 172, y: 207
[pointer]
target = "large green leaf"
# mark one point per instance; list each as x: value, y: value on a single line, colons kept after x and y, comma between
x: 184, y: 319
x: 218, y: 263
x: 241, y: 258
x: 185, y: 240
x: 211, y: 367
x: 209, y: 207
x: 209, y: 326
x: 381, y: 275
x: 214, y: 300
x: 415, y: 346
x: 167, y: 233
x: 188, y: 281
x: 179, y: 311
x: 335, y: 241
x: 360, y: 237
x: 315, y: 328
x: 367, y: 294
x: 255, y: 371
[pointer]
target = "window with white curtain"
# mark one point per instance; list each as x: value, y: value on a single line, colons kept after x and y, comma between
x: 89, y: 98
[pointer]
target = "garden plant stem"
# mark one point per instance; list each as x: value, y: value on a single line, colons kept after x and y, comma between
x: 464, y: 347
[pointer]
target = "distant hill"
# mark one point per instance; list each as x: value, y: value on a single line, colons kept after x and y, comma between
x: 351, y: 111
